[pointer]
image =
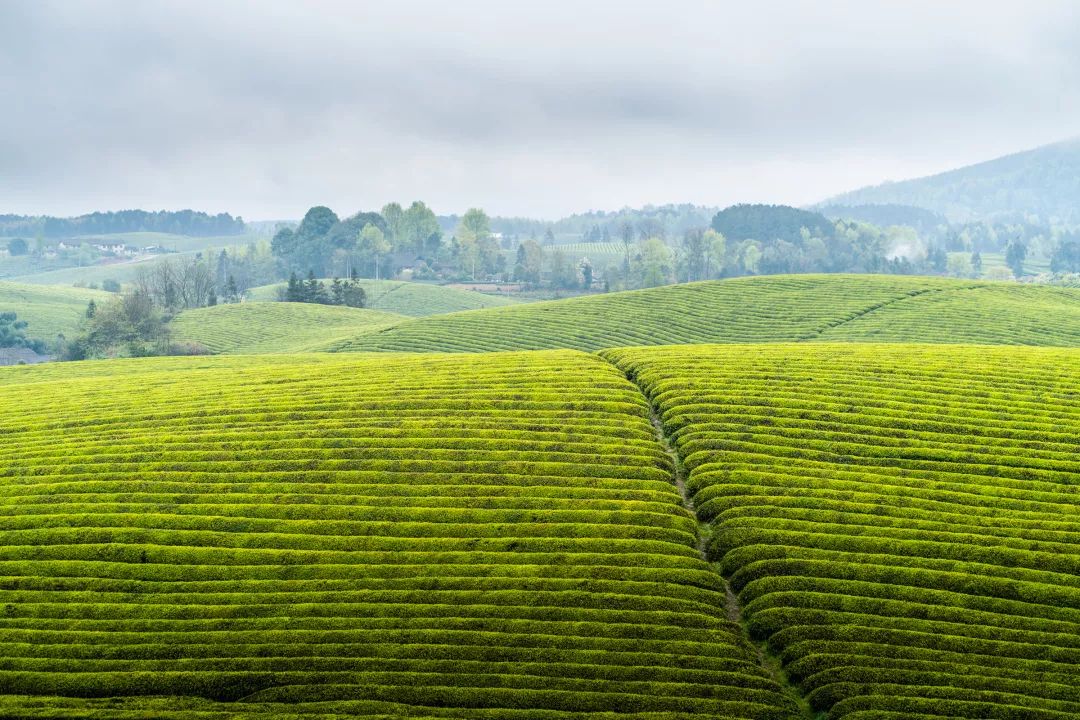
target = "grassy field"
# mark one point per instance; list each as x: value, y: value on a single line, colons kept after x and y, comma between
x: 901, y: 523
x: 760, y: 309
x: 48, y: 310
x: 384, y: 536
x: 409, y: 298
x: 121, y: 271
x: 275, y: 327
x: 29, y: 270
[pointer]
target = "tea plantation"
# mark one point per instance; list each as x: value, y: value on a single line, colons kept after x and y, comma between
x: 901, y: 523
x: 48, y: 311
x: 262, y: 327
x: 756, y: 309
x: 426, y: 536
x: 409, y: 298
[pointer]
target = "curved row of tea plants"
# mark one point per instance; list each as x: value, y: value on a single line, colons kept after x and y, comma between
x: 431, y: 536
x: 275, y: 327
x: 758, y: 309
x: 48, y: 311
x: 996, y: 314
x: 901, y: 523
x: 415, y: 299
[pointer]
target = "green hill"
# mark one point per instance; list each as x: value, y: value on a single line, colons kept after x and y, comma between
x: 758, y: 309
x: 900, y: 523
x: 410, y: 298
x: 1042, y: 183
x: 275, y: 327
x: 313, y: 536
x: 48, y: 310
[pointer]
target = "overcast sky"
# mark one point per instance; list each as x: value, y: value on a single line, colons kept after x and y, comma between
x: 265, y: 108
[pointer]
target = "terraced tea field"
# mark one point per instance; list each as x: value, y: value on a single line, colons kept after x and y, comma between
x: 760, y: 309
x: 901, y: 523
x: 275, y: 327
x: 997, y: 314
x: 48, y: 311
x: 365, y: 536
x: 409, y: 298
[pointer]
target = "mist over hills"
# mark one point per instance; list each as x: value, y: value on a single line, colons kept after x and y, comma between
x: 1041, y: 184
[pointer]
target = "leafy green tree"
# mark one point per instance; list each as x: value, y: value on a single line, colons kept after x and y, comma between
x: 715, y: 252
x: 693, y: 254
x: 421, y: 229
x: 1066, y: 257
x: 959, y: 265
x: 472, y: 234
x: 976, y: 263
x: 1015, y: 255
x: 373, y: 243
x: 306, y: 247
x: 395, y: 223
x: 530, y: 262
x: 91, y: 310
x: 13, y: 333
x: 18, y: 246
x: 563, y: 273
x: 655, y: 265
x: 586, y: 269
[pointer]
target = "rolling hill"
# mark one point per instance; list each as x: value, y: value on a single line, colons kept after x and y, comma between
x: 274, y: 327
x: 409, y: 298
x: 312, y: 536
x: 900, y: 524
x: 48, y: 311
x: 757, y: 309
x: 1043, y: 182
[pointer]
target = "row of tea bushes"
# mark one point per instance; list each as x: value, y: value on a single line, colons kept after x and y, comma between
x: 901, y: 523
x: 432, y: 536
x: 781, y: 308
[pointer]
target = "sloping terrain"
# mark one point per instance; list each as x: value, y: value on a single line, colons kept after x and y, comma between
x: 48, y: 310
x: 275, y: 327
x: 425, y: 536
x: 1043, y: 183
x: 901, y: 523
x: 760, y: 309
x: 410, y: 298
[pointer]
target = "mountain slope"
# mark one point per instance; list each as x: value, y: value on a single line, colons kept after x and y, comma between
x: 1044, y: 182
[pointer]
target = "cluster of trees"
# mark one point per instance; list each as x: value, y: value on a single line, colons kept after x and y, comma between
x: 340, y: 292
x: 183, y: 222
x: 130, y: 325
x: 1066, y: 256
x: 13, y: 333
x: 537, y: 266
x: 369, y: 243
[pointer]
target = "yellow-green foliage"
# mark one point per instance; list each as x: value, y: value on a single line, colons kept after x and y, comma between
x: 760, y: 309
x: 432, y: 536
x: 991, y: 314
x: 901, y: 523
x: 48, y: 310
x: 410, y: 298
x: 275, y: 327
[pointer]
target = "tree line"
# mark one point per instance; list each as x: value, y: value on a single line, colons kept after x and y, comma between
x: 182, y: 222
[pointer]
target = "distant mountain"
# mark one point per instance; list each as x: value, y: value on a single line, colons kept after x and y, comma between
x: 1044, y: 182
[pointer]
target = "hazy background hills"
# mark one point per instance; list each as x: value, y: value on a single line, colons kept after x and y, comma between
x: 1040, y: 185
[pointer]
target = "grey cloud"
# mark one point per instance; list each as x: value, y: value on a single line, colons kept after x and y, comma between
x: 266, y: 107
